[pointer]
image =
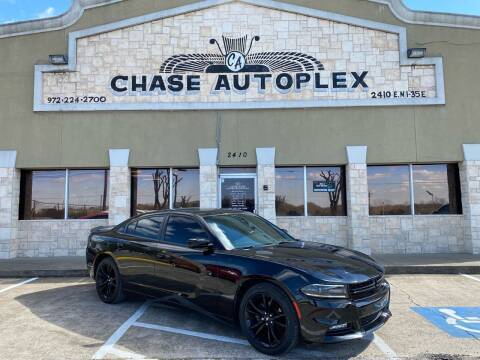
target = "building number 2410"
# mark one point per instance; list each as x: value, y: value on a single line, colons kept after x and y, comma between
x: 240, y: 154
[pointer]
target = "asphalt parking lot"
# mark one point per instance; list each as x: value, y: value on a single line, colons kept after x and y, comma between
x: 62, y: 318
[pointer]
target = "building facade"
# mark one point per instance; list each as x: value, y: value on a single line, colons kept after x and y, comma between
x: 347, y: 122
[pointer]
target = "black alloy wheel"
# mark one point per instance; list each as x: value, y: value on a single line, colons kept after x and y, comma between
x: 268, y: 319
x: 108, y: 282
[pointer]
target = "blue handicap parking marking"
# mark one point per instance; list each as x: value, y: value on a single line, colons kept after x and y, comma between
x: 461, y: 322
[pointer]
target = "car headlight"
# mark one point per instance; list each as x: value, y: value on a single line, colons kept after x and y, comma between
x: 325, y: 291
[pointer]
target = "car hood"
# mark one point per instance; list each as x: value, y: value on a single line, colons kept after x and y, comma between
x: 326, y: 262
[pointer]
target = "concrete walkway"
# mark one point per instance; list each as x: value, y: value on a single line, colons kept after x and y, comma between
x: 73, y: 266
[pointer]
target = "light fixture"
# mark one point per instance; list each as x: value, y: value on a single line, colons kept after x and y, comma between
x: 58, y: 59
x: 416, y: 53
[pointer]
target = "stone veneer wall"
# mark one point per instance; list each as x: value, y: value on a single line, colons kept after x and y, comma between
x: 470, y: 184
x: 388, y: 234
x: 119, y: 194
x: 9, y: 199
x: 325, y: 229
x: 417, y: 234
x: 39, y: 238
x: 208, y: 186
x: 141, y: 48
x: 266, y: 198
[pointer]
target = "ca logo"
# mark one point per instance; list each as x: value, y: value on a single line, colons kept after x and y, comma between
x: 235, y: 61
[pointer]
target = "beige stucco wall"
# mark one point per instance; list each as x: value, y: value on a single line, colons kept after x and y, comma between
x: 300, y: 136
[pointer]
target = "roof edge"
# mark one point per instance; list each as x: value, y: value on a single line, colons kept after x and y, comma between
x: 407, y: 15
x: 71, y: 16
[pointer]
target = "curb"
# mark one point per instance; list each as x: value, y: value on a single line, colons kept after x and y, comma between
x: 390, y: 270
x: 44, y: 273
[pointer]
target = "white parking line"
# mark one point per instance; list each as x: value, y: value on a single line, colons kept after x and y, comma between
x: 383, y: 346
x: 125, y: 354
x: 471, y: 277
x: 18, y: 284
x: 192, y: 333
x: 107, y: 347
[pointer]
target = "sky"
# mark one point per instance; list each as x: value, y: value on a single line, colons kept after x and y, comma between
x: 20, y: 10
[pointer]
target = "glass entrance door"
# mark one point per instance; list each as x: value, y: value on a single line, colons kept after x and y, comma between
x: 238, y: 191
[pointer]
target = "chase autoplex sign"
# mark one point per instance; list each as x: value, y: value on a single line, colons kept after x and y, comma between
x: 239, y: 70
x: 227, y: 54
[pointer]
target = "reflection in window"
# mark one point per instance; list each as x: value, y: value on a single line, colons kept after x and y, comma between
x: 147, y: 228
x: 326, y: 191
x: 436, y: 189
x: 389, y: 190
x: 87, y: 194
x: 289, y: 200
x: 185, y: 188
x: 180, y: 229
x: 43, y: 195
x: 150, y: 190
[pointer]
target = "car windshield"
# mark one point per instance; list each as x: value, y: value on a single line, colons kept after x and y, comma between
x: 245, y: 230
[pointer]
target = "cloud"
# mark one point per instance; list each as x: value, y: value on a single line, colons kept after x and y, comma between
x: 48, y: 12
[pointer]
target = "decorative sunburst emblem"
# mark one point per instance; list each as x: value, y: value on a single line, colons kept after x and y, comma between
x: 236, y: 56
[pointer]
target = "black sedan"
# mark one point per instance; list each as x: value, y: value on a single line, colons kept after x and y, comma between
x: 240, y: 268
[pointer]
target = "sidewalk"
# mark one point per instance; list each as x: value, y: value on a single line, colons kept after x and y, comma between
x: 73, y: 266
x: 61, y: 266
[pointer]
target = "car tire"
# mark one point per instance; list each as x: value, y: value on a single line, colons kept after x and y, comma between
x: 268, y: 319
x: 108, y: 282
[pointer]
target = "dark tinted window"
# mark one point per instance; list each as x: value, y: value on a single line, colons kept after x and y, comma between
x: 436, y: 189
x: 150, y: 190
x: 185, y: 188
x: 130, y: 228
x: 42, y: 195
x: 180, y: 229
x: 148, y: 227
x: 88, y: 194
x: 289, y: 199
x: 326, y: 191
x: 389, y: 190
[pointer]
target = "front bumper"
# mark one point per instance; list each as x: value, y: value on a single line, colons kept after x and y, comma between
x: 335, y: 320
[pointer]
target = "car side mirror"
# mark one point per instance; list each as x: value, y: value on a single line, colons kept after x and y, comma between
x: 200, y: 244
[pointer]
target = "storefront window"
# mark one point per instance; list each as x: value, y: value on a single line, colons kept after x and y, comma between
x: 42, y: 194
x: 87, y: 194
x: 289, y: 186
x: 389, y: 190
x: 436, y: 189
x: 185, y: 188
x: 326, y: 191
x: 150, y: 190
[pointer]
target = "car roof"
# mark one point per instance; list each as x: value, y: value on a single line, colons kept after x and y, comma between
x: 195, y: 211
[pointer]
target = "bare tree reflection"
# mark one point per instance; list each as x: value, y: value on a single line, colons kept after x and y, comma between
x: 333, y: 196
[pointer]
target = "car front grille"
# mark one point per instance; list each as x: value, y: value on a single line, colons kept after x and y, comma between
x: 365, y: 289
x: 367, y: 320
x: 349, y: 329
x: 366, y: 323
